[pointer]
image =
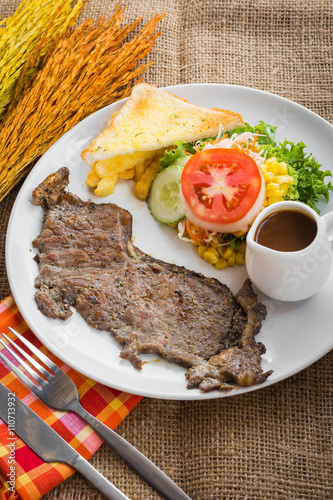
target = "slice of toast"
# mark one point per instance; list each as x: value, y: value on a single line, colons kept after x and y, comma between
x: 151, y: 119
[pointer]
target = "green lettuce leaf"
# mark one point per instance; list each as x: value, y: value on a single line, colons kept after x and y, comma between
x: 173, y: 154
x: 309, y: 184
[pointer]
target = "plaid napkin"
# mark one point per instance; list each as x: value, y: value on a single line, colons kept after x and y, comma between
x: 34, y: 477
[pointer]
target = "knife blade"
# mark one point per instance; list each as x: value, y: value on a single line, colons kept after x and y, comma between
x: 48, y: 444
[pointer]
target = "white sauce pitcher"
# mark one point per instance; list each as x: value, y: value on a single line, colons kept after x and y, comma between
x: 296, y: 275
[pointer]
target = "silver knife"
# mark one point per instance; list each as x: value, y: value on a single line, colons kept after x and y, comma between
x: 47, y: 443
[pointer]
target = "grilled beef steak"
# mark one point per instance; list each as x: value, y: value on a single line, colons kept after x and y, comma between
x: 241, y: 363
x: 87, y: 260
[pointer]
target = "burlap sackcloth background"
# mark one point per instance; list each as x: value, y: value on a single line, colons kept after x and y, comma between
x: 274, y: 443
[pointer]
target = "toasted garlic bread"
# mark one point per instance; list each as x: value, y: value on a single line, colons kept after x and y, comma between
x: 151, y: 119
x: 137, y: 135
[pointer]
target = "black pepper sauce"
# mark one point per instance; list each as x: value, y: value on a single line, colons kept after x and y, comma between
x: 286, y: 231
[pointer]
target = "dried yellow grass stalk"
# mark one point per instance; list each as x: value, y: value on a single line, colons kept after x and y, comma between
x: 93, y: 66
x: 20, y: 34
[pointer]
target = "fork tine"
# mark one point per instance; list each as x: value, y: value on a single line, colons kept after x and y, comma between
x: 36, y: 351
x: 33, y: 387
x: 31, y: 372
x: 34, y: 363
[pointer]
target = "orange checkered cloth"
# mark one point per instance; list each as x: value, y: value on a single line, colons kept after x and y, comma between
x: 34, y: 477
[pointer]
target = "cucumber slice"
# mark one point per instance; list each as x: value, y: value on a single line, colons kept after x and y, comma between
x: 164, y: 200
x: 181, y: 161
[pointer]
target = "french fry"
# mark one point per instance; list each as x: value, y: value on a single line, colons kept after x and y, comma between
x: 143, y: 185
x: 106, y: 185
x: 141, y: 167
x: 119, y: 163
x: 104, y: 174
x: 109, y: 167
x: 92, y: 178
x: 129, y: 173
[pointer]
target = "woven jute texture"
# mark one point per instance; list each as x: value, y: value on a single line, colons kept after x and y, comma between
x: 274, y: 443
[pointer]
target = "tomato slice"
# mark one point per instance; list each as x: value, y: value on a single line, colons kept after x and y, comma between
x: 221, y: 185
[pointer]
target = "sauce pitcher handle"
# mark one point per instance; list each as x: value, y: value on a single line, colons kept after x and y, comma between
x: 328, y: 219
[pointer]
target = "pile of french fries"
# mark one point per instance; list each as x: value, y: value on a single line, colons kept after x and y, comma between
x: 141, y: 166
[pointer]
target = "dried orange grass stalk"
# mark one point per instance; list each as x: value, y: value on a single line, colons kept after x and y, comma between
x: 90, y: 68
x: 33, y: 21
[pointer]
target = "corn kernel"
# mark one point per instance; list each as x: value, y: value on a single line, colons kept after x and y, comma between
x: 283, y: 168
x: 201, y: 250
x: 274, y: 199
x: 220, y: 250
x: 211, y: 256
x: 240, y: 233
x: 263, y: 168
x: 173, y: 224
x: 242, y: 247
x: 274, y: 168
x: 271, y: 186
x: 265, y: 203
x: 240, y: 258
x: 284, y: 188
x: 232, y: 259
x: 282, y: 179
x: 271, y: 161
x: 228, y: 252
x: 268, y: 176
x: 274, y: 192
x: 221, y: 264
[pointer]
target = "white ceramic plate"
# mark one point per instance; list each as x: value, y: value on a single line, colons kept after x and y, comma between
x: 295, y: 334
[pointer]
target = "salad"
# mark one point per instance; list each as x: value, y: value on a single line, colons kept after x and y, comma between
x: 212, y: 190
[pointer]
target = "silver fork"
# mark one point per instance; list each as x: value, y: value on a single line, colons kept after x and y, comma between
x: 58, y: 391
